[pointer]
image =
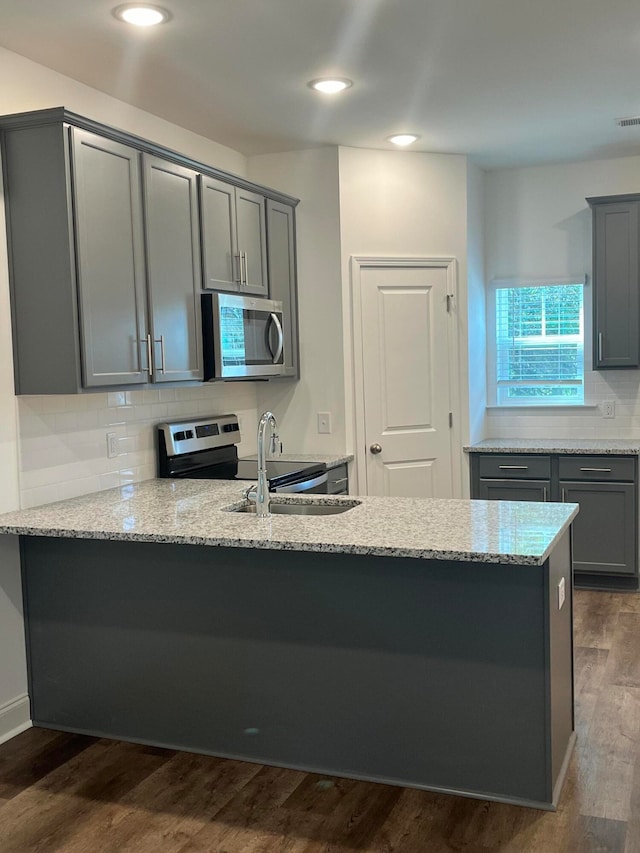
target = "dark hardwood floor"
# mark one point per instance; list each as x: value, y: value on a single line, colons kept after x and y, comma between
x: 81, y: 795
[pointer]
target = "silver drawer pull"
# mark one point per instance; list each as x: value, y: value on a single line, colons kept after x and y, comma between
x: 599, y: 470
x: 514, y: 467
x: 544, y: 494
x: 342, y: 480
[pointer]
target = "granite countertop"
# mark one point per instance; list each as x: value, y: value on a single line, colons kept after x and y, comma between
x: 330, y: 460
x: 600, y: 446
x: 192, y: 512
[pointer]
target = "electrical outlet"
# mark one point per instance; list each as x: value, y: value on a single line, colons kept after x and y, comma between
x: 324, y: 422
x: 561, y: 594
x: 608, y: 408
x: 112, y: 445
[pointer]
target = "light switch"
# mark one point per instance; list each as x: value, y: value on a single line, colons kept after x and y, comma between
x: 324, y: 422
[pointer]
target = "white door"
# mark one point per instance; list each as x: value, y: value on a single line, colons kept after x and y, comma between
x: 407, y: 379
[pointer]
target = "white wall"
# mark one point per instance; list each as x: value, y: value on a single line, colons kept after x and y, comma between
x: 312, y: 176
x: 398, y: 203
x: 477, y: 306
x: 63, y: 444
x: 539, y: 224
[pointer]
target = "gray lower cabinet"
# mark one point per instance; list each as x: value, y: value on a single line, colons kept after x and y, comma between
x: 514, y: 490
x: 173, y: 270
x: 616, y: 279
x: 281, y: 254
x: 338, y: 480
x: 234, y: 239
x: 605, y: 531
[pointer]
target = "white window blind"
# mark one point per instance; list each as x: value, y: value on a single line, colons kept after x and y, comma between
x: 539, y: 343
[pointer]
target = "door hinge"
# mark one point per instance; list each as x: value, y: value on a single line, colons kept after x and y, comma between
x: 450, y: 420
x: 450, y: 298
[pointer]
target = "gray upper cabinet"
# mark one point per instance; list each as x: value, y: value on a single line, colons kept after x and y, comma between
x: 234, y: 243
x: 110, y: 251
x: 282, y: 276
x: 108, y: 235
x: 221, y: 262
x: 173, y: 270
x: 616, y: 255
x: 252, y: 242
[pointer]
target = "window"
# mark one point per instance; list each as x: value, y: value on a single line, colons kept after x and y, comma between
x: 538, y: 329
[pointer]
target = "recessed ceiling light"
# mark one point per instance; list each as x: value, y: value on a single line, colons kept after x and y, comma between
x: 330, y: 85
x: 403, y: 138
x: 141, y: 15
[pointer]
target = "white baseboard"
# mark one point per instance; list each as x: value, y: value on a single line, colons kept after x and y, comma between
x: 15, y: 717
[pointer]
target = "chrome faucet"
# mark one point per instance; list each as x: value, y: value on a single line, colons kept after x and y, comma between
x: 267, y: 422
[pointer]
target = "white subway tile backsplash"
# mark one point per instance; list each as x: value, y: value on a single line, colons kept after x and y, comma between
x: 63, y: 447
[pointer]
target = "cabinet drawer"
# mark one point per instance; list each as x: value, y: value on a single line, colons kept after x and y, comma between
x: 511, y: 465
x: 600, y: 468
x: 338, y: 480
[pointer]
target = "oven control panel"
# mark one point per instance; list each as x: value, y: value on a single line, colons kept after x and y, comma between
x: 192, y: 435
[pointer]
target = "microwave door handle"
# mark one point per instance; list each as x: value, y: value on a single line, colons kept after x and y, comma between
x: 278, y: 324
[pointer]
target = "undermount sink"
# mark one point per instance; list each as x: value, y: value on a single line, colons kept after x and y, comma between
x: 299, y: 508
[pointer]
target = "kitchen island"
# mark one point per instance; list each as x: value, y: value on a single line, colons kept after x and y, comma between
x: 415, y: 642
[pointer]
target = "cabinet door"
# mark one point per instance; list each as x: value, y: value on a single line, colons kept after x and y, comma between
x: 281, y: 258
x: 111, y: 273
x: 173, y: 269
x: 514, y: 490
x: 604, y: 531
x: 252, y: 241
x: 221, y: 267
x: 615, y: 262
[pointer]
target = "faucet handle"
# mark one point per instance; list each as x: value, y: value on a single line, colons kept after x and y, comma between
x: 275, y: 445
x: 251, y: 492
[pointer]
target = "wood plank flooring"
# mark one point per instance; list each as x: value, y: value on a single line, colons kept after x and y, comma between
x: 77, y: 794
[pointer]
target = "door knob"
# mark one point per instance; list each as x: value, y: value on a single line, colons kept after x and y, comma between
x: 376, y: 448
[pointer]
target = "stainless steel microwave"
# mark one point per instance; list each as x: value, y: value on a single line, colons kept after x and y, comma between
x: 243, y: 336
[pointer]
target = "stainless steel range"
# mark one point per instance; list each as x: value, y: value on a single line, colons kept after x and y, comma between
x: 206, y: 449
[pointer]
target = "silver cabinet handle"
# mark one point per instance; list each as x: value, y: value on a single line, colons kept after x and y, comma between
x: 239, y: 279
x: 599, y: 470
x: 600, y: 346
x: 246, y: 270
x: 376, y: 448
x: 341, y: 480
x: 563, y: 494
x: 276, y: 321
x: 514, y: 467
x: 544, y: 494
x: 243, y: 268
x: 149, y: 368
x: 163, y: 364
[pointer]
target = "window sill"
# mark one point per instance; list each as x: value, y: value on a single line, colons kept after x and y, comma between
x: 526, y: 408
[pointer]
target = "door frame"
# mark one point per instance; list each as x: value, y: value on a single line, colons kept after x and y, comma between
x: 359, y: 263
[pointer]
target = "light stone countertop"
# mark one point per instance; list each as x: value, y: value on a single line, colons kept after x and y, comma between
x: 600, y: 446
x: 192, y: 512
x: 331, y: 460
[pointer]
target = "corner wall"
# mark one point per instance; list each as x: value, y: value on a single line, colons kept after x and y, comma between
x: 312, y: 176
x: 539, y: 224
x: 403, y: 204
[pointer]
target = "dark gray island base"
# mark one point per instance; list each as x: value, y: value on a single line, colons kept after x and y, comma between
x: 448, y: 676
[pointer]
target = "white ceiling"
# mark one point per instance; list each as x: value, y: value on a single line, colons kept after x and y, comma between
x: 508, y: 82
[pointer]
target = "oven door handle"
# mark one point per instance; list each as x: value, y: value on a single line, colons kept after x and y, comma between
x: 303, y: 486
x: 275, y: 319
